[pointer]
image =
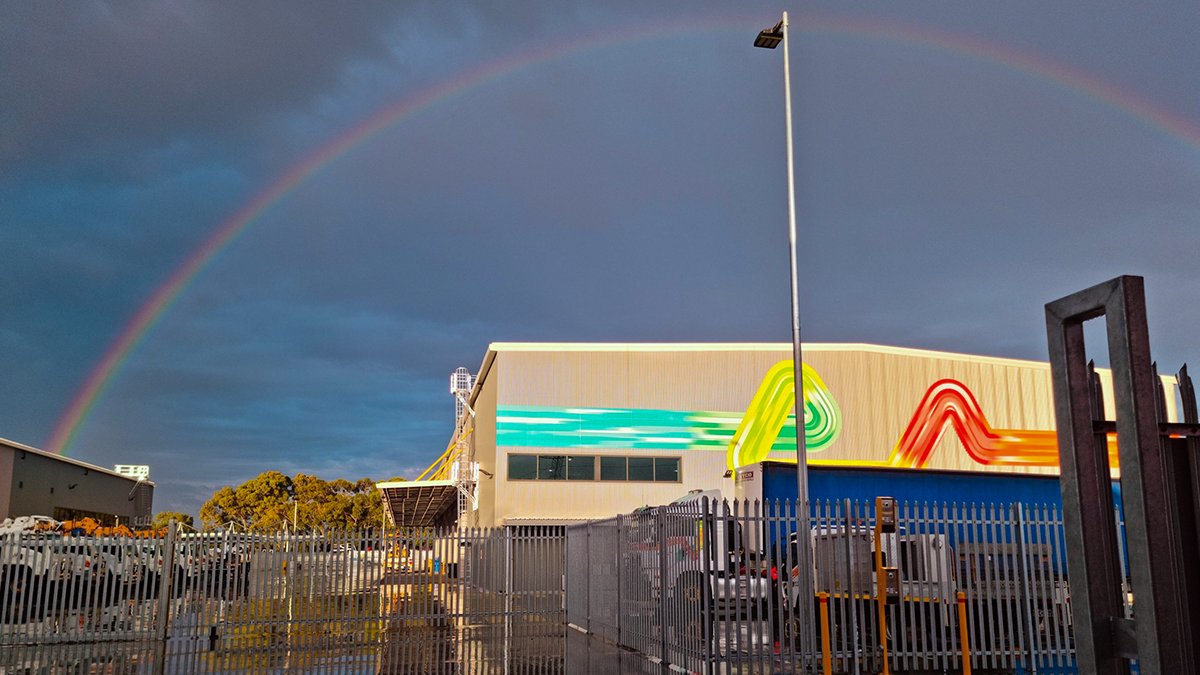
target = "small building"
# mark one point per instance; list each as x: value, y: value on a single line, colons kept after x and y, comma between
x: 556, y: 433
x: 38, y: 483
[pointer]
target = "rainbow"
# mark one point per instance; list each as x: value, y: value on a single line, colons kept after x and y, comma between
x: 152, y: 311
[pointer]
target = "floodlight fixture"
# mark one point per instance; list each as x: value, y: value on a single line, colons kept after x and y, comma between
x: 769, y: 38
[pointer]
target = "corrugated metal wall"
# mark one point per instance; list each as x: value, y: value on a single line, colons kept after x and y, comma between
x: 484, y: 444
x: 683, y: 380
x: 877, y: 390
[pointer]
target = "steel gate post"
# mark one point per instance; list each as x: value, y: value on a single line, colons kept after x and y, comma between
x: 1023, y: 568
x: 587, y: 554
x: 660, y: 529
x: 1157, y: 635
x: 508, y: 589
x: 621, y: 579
x: 166, y: 584
x: 708, y: 623
x: 851, y: 591
x: 1187, y: 452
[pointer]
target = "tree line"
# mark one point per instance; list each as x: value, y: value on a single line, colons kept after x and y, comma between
x: 274, y: 502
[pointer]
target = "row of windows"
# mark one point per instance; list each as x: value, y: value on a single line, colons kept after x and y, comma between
x: 593, y: 467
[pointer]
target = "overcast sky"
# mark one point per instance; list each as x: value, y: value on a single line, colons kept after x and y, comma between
x: 607, y: 171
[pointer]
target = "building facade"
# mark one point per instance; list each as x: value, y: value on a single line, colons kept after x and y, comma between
x: 556, y: 433
x: 34, y: 482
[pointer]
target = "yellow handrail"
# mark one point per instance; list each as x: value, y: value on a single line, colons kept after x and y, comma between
x: 436, y: 463
x: 440, y: 468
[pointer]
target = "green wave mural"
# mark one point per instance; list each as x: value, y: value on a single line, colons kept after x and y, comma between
x: 636, y: 428
x: 654, y: 429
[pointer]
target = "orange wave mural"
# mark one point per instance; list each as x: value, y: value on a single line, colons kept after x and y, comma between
x: 948, y: 404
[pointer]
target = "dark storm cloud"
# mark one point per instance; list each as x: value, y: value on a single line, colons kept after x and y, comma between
x: 98, y: 75
x: 631, y: 191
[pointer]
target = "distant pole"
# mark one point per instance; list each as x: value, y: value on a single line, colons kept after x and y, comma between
x: 769, y: 39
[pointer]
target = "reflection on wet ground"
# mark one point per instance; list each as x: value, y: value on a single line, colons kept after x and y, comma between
x: 550, y: 650
x: 480, y: 600
x: 434, y: 639
x: 401, y: 623
x: 518, y: 649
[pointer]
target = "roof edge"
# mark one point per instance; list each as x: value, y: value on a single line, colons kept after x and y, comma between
x: 497, y: 347
x: 70, y: 460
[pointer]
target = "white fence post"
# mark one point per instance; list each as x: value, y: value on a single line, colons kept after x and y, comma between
x: 166, y: 586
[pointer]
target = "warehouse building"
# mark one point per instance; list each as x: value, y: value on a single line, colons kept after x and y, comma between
x: 557, y: 433
x: 38, y: 483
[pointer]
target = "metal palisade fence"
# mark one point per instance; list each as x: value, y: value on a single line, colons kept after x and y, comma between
x: 415, y: 601
x: 711, y: 587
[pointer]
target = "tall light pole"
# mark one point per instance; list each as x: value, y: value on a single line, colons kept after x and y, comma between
x: 769, y: 39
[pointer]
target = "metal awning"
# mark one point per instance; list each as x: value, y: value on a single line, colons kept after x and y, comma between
x: 419, y: 503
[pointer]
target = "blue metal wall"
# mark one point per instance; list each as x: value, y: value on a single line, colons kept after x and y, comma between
x: 908, y: 485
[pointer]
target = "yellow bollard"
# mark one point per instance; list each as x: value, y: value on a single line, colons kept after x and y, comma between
x: 962, y: 633
x: 881, y: 506
x: 826, y: 653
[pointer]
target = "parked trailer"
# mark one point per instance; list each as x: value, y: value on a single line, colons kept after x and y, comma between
x: 770, y: 481
x: 995, y: 537
x: 654, y: 581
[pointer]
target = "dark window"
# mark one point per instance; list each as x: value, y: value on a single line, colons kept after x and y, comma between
x: 552, y: 467
x: 641, y: 468
x: 612, y: 468
x: 522, y: 467
x: 666, y: 469
x: 581, y: 467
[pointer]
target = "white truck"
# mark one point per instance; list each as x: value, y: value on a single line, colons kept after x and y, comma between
x: 688, y: 557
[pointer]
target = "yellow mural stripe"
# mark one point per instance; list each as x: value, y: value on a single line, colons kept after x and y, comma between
x: 770, y: 408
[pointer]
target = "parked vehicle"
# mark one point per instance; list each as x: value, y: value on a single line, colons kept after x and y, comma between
x: 212, y: 563
x: 701, y: 566
x: 143, y: 565
x: 21, y: 575
x: 933, y: 566
x: 45, y: 572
